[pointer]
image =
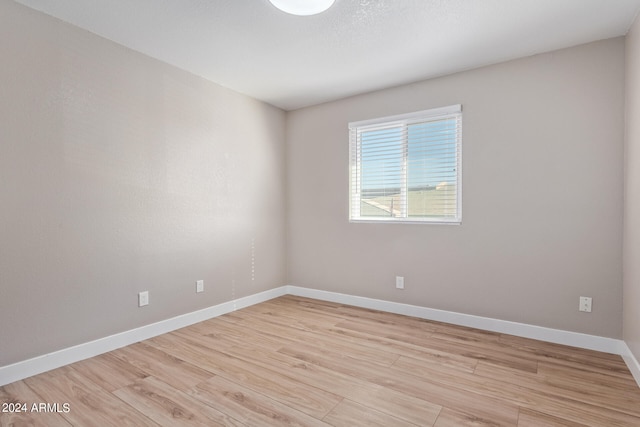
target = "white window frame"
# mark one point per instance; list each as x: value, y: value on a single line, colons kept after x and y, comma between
x: 402, y: 120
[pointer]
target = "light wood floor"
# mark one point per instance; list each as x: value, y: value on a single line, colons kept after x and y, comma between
x: 296, y: 361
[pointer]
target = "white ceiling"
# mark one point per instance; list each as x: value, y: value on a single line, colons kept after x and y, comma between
x: 356, y: 46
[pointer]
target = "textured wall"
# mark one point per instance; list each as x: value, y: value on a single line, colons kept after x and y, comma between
x: 118, y: 174
x: 542, y: 196
x: 632, y: 195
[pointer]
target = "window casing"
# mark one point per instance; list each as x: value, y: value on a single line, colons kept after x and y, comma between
x: 407, y: 168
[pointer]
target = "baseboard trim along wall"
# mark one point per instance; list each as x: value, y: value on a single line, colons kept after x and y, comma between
x: 557, y: 336
x: 574, y: 339
x: 47, y: 362
x: 632, y: 363
x: 37, y: 365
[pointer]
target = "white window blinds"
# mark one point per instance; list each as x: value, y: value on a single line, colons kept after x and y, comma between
x: 407, y: 168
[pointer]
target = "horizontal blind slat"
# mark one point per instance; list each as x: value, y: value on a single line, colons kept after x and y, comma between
x: 406, y: 168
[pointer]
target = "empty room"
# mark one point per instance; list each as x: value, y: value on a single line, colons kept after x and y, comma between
x: 320, y: 213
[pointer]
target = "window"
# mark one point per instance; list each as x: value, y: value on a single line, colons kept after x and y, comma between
x: 407, y: 168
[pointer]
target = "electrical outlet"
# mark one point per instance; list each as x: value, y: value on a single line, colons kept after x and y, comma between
x: 199, y: 286
x: 399, y: 282
x: 585, y: 304
x: 143, y: 298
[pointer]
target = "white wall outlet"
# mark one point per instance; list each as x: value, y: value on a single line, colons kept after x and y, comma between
x: 399, y: 282
x: 585, y: 304
x: 143, y: 298
x: 199, y: 286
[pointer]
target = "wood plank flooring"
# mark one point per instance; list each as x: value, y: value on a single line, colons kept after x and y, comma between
x: 299, y: 362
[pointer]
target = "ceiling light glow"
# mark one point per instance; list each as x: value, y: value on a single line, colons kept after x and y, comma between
x: 303, y: 7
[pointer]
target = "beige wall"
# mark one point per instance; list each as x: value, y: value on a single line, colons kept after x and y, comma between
x: 632, y: 195
x: 119, y: 174
x: 542, y: 196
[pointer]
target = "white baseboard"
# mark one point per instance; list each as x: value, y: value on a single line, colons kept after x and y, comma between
x: 557, y: 336
x: 37, y: 365
x: 632, y: 363
x: 47, y: 362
